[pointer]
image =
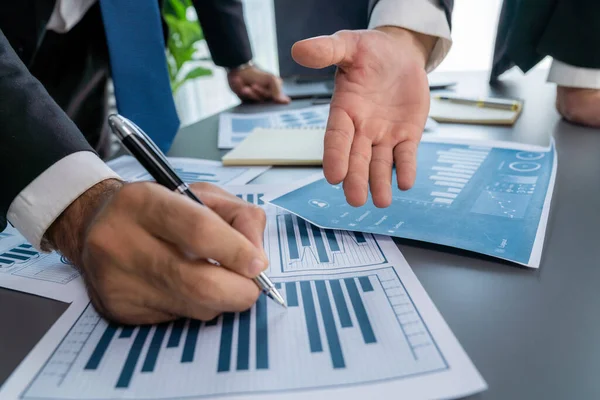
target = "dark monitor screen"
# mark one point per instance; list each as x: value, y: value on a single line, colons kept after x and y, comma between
x: 300, y: 19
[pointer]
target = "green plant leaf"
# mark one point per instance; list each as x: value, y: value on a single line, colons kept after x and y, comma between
x: 193, y: 74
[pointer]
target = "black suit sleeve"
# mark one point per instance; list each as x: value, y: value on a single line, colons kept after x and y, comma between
x: 34, y: 132
x: 447, y: 5
x: 225, y: 31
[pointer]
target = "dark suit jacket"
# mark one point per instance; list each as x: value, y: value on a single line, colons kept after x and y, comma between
x: 529, y: 30
x: 36, y: 130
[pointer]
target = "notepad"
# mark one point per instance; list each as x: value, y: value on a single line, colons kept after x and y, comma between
x: 444, y: 111
x: 279, y: 147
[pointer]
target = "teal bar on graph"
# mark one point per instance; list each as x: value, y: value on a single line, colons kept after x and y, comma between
x: 340, y: 303
x: 262, y: 334
x: 365, y: 284
x: 250, y: 198
x: 291, y: 294
x: 176, y: 333
x: 189, y: 347
x: 360, y: 237
x: 127, y: 331
x: 261, y: 202
x: 24, y: 252
x: 224, y: 363
x: 310, y: 315
x: 101, y: 347
x: 213, y: 321
x: 154, y: 349
x: 333, y: 339
x: 15, y: 257
x: 133, y: 357
x: 332, y: 240
x: 321, y: 250
x: 243, y: 351
x: 291, y: 237
x: 360, y: 311
x: 304, y: 238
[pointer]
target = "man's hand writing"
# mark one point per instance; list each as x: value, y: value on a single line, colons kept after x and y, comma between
x: 145, y: 249
x: 378, y: 110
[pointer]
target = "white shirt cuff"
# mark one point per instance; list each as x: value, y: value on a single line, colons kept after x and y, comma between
x: 43, y: 200
x: 567, y: 75
x: 423, y: 16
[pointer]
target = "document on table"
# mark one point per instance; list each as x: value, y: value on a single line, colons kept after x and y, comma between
x: 235, y: 127
x: 191, y: 170
x: 24, y: 269
x: 358, y: 325
x: 478, y: 197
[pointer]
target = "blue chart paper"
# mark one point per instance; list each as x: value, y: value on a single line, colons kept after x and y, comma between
x: 492, y: 201
x: 358, y: 324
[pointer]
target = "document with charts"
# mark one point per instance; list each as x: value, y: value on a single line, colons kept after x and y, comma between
x: 191, y: 170
x: 479, y: 197
x: 234, y: 127
x: 24, y: 269
x: 358, y: 325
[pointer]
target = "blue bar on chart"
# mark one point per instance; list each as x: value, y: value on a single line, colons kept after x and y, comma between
x: 260, y: 200
x: 360, y: 311
x: 340, y: 303
x: 26, y: 246
x: 6, y: 261
x: 101, y: 347
x: 176, y: 333
x: 133, y: 357
x: 335, y: 348
x: 225, y: 346
x: 360, y: 237
x: 365, y: 284
x: 213, y: 321
x: 331, y: 239
x: 15, y: 256
x: 154, y: 349
x: 304, y: 238
x: 291, y: 237
x: 321, y: 250
x: 262, y: 334
x: 291, y: 294
x: 243, y: 351
x: 127, y: 331
x: 191, y: 177
x: 189, y: 347
x: 250, y: 198
x: 310, y: 314
x: 20, y: 250
x: 239, y: 196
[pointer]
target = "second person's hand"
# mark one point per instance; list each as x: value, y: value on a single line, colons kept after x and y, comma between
x: 143, y: 251
x: 378, y: 109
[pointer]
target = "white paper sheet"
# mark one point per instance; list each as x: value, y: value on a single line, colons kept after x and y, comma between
x: 358, y: 325
x: 24, y: 269
x: 190, y: 170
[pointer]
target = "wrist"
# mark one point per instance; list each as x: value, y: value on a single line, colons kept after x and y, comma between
x: 242, y: 67
x: 422, y: 45
x: 67, y: 234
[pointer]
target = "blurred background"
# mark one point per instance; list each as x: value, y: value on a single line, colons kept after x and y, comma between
x: 201, y: 88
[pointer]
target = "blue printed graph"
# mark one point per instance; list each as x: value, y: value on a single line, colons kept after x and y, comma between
x: 306, y: 247
x: 339, y: 329
x: 254, y: 198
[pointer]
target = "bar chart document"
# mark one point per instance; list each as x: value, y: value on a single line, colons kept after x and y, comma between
x: 234, y: 127
x: 24, y: 269
x: 358, y: 325
x: 490, y: 200
x: 190, y: 170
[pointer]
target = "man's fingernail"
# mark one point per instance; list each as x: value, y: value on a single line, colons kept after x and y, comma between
x: 257, y: 266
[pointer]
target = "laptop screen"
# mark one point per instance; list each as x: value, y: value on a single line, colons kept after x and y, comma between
x: 300, y: 19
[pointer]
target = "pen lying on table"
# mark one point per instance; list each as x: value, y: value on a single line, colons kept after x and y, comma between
x: 154, y: 161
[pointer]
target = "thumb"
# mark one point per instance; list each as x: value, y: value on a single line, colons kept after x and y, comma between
x: 324, y: 51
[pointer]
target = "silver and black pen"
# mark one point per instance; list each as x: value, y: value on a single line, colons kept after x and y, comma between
x: 143, y: 149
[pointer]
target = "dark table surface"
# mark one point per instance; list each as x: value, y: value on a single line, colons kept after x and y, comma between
x: 533, y: 334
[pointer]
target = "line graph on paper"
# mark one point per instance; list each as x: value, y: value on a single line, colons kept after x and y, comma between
x: 340, y: 329
x: 306, y: 247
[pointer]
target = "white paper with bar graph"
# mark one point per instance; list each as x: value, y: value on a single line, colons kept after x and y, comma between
x: 24, y: 269
x: 358, y: 325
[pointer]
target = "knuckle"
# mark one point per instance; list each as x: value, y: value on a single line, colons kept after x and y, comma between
x: 202, y: 187
x: 246, y: 298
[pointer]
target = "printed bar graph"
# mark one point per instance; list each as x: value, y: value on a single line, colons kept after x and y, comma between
x: 226, y: 343
x: 303, y: 246
x: 343, y: 341
x: 6, y: 261
x: 189, y: 348
x: 23, y: 262
x: 133, y: 357
x: 154, y: 349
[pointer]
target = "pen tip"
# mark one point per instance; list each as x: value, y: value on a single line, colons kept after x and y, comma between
x: 277, y: 298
